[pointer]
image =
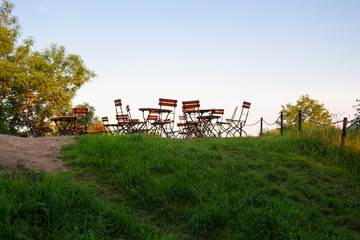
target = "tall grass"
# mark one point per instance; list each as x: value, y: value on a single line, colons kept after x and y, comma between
x: 42, y: 206
x: 295, y: 186
x: 327, y: 142
x: 249, y: 188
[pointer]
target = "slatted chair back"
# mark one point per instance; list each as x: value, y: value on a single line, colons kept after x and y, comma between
x: 166, y: 103
x: 153, y: 116
x: 182, y: 118
x: 219, y: 113
x: 124, y: 118
x: 182, y: 121
x: 118, y: 107
x: 81, y: 128
x: 193, y: 106
x: 244, y: 112
x: 105, y: 120
x: 128, y: 111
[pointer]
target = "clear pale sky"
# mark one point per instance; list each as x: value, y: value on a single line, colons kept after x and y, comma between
x: 220, y: 52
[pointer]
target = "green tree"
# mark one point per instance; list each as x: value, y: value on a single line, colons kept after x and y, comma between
x: 45, y: 81
x: 355, y: 123
x: 310, y: 108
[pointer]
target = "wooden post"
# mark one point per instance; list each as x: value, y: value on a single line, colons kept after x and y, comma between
x: 281, y: 122
x: 299, y: 121
x: 261, y: 126
x: 343, y: 135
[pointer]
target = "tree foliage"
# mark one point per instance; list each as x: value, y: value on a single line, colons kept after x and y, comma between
x: 355, y: 123
x: 310, y: 108
x: 45, y: 81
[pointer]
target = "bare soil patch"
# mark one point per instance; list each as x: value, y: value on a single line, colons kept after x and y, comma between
x: 42, y: 153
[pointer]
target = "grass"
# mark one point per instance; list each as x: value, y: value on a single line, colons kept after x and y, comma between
x: 43, y: 206
x: 146, y: 187
x: 326, y: 141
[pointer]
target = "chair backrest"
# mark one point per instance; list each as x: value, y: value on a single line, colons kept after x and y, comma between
x: 234, y: 113
x: 167, y: 102
x: 182, y: 118
x: 81, y: 111
x: 128, y: 111
x: 193, y: 105
x: 118, y: 107
x: 123, y: 118
x: 153, y: 116
x: 105, y: 120
x: 78, y: 111
x: 117, y: 102
x: 244, y: 111
x: 164, y: 102
x: 220, y: 113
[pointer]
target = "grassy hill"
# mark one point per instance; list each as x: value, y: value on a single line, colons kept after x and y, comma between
x: 145, y: 187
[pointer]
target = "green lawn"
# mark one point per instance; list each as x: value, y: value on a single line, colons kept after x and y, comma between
x: 146, y: 187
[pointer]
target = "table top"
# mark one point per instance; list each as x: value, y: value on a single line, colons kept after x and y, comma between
x: 64, y: 118
x: 158, y: 110
x: 209, y: 117
x: 201, y: 110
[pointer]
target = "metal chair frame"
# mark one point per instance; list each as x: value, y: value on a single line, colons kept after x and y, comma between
x: 236, y: 126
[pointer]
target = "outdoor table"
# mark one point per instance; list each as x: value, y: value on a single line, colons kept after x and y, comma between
x: 202, y: 124
x: 64, y: 124
x: 159, y: 111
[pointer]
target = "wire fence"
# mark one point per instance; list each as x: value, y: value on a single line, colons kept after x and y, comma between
x: 298, y: 120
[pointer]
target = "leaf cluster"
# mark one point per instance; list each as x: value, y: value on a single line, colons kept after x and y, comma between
x: 355, y: 123
x: 45, y: 81
x: 310, y: 108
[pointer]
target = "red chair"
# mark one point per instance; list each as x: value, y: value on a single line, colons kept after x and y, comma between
x: 109, y: 127
x: 82, y: 127
x: 135, y: 124
x: 191, y: 110
x: 165, y: 124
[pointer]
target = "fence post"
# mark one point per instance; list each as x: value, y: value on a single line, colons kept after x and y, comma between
x: 343, y: 134
x: 261, y: 126
x: 299, y: 122
x: 281, y: 123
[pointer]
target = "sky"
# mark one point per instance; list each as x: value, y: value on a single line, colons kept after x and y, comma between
x: 221, y: 52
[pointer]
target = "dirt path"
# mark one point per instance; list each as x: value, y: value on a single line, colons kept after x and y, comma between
x: 41, y: 153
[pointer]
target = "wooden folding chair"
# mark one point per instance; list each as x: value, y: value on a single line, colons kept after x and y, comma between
x: 235, y: 127
x: 121, y: 118
x: 191, y: 110
x: 109, y: 127
x: 35, y: 129
x: 182, y: 130
x: 214, y: 129
x: 83, y: 127
x: 165, y: 124
x: 135, y: 124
